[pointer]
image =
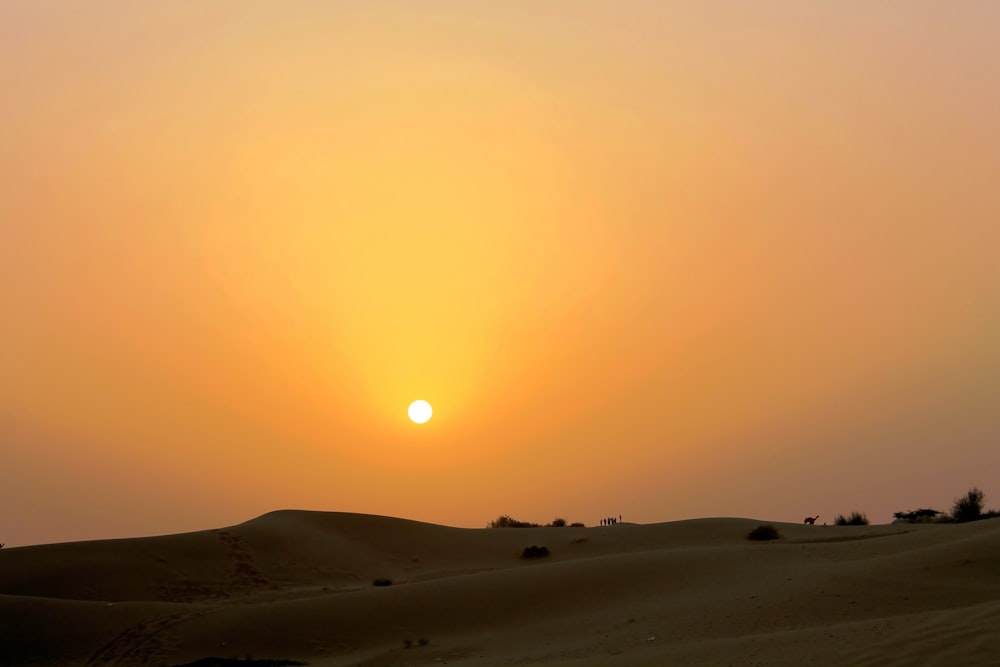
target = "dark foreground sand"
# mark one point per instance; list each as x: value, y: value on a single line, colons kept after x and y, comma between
x: 299, y: 586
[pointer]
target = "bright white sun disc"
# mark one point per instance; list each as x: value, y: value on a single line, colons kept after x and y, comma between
x: 420, y: 412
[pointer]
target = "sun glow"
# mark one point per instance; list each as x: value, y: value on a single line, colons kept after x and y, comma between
x: 420, y: 412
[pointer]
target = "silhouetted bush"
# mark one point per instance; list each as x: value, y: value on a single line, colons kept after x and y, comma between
x: 917, y: 516
x: 763, y: 533
x: 504, y: 521
x: 535, y: 552
x: 855, y: 519
x: 577, y: 524
x: 382, y: 582
x: 558, y: 523
x: 969, y: 507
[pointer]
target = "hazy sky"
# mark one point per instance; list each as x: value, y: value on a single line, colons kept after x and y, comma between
x: 663, y: 259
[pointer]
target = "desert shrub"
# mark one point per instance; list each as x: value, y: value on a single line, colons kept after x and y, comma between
x: 969, y: 507
x: 558, y: 523
x: 504, y: 521
x: 535, y: 552
x: 423, y: 641
x: 763, y: 533
x: 577, y: 524
x: 855, y: 519
x: 917, y: 516
x: 382, y: 582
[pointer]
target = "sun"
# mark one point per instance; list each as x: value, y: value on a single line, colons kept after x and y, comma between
x: 420, y: 412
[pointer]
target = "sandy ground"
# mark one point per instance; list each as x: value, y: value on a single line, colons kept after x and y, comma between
x: 299, y: 586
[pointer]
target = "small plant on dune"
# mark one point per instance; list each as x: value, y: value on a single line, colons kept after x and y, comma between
x: 504, y: 521
x: 558, y: 523
x: 577, y: 524
x: 855, y: 519
x: 763, y: 533
x: 423, y: 641
x: 969, y: 507
x: 535, y: 552
x: 381, y: 581
x: 917, y: 516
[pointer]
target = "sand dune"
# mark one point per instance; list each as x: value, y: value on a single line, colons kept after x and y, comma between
x: 299, y: 586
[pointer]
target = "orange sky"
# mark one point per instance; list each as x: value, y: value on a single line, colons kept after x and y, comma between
x: 660, y: 259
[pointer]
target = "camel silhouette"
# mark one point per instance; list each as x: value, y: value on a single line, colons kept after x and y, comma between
x: 810, y: 520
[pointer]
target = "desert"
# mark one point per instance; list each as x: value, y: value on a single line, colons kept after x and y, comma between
x: 328, y: 588
x: 297, y: 297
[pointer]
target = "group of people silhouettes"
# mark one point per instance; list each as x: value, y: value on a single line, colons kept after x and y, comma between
x: 610, y: 521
